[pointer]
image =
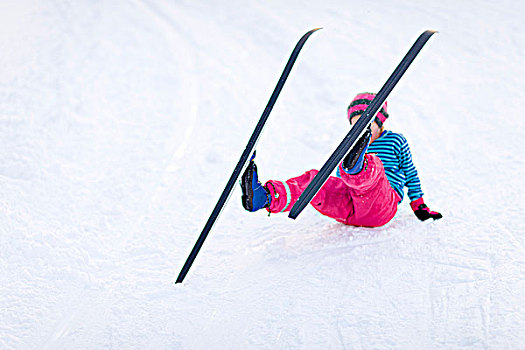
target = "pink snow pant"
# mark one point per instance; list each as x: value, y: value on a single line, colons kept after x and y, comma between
x: 365, y: 199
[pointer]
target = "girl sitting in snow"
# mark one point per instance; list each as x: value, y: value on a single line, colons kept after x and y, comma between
x: 369, y: 184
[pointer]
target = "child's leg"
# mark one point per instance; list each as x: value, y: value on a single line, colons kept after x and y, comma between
x: 374, y: 200
x: 365, y: 199
x: 333, y: 199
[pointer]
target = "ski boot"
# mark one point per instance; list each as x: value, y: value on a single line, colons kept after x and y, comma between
x: 353, y: 161
x: 254, y: 195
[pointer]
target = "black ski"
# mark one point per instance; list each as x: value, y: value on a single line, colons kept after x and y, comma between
x: 244, y: 157
x: 359, y: 128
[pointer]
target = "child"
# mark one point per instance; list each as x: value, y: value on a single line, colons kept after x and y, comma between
x: 369, y: 184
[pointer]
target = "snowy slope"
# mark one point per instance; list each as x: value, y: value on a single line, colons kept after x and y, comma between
x: 122, y: 121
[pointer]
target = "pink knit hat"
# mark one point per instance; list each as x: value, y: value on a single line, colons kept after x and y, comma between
x: 361, y: 102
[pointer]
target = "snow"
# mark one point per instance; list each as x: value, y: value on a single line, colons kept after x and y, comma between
x: 122, y: 121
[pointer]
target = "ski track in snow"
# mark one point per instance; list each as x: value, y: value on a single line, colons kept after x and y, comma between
x: 121, y: 123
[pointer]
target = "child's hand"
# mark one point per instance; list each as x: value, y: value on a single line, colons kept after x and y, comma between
x: 422, y: 211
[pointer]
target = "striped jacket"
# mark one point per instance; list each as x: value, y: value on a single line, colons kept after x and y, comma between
x: 394, y: 152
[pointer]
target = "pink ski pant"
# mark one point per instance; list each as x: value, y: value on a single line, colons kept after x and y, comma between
x: 365, y: 199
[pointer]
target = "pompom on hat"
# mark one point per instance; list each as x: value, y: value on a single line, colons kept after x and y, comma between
x: 361, y: 102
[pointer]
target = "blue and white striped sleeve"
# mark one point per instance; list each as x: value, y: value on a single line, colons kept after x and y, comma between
x: 407, y: 166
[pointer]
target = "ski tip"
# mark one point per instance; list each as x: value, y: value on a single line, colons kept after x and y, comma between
x: 316, y: 29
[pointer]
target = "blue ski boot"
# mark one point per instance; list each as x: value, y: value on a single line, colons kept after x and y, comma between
x: 254, y: 195
x: 353, y: 161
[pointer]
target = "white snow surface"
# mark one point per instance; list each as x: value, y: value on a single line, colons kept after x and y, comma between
x: 121, y: 122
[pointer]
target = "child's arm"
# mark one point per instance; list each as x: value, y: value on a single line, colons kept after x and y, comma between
x: 414, y: 185
x: 407, y: 167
